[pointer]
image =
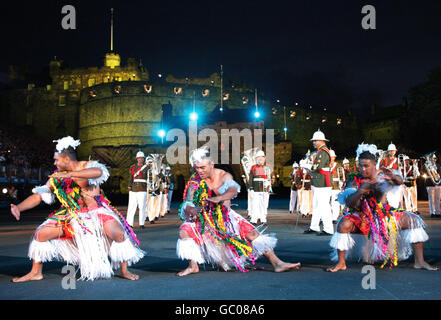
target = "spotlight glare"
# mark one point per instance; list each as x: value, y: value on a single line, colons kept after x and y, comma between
x: 161, y: 133
x: 194, y: 116
x: 256, y: 114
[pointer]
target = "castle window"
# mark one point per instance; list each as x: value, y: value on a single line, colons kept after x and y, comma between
x: 244, y: 100
x: 92, y: 94
x: 117, y: 90
x: 62, y: 100
x: 147, y: 88
x: 292, y: 114
x: 205, y: 93
x: 339, y: 121
x: 177, y: 90
x: 226, y: 96
x: 66, y: 85
x: 91, y: 82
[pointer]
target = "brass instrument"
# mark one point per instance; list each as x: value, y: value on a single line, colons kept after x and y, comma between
x: 431, y: 167
x: 383, y: 154
x: 402, y: 165
x: 155, y: 170
x: 341, y: 176
x: 416, y: 170
x: 247, y: 161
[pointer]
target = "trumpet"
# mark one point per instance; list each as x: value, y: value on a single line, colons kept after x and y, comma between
x: 431, y: 168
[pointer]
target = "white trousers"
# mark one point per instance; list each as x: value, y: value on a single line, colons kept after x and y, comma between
x: 293, y: 201
x: 335, y: 205
x: 410, y: 198
x: 304, y: 201
x: 259, y: 207
x: 321, y: 209
x: 152, y: 207
x: 394, y: 196
x: 250, y: 202
x: 164, y: 204
x: 434, y: 194
x: 169, y: 198
x: 137, y: 199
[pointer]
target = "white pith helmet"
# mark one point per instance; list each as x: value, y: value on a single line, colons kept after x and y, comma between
x: 318, y: 135
x: 391, y: 147
x: 140, y: 154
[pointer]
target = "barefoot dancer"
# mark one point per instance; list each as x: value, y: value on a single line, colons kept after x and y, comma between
x: 393, y: 233
x: 85, y: 230
x: 212, y: 232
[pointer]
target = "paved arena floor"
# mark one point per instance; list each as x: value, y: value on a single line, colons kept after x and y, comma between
x: 157, y: 270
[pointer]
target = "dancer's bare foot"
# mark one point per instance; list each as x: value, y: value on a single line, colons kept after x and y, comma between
x: 31, y: 276
x: 338, y: 267
x: 425, y: 265
x: 189, y: 270
x: 128, y: 275
x: 284, y: 266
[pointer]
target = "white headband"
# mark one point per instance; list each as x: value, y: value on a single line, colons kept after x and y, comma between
x: 66, y: 142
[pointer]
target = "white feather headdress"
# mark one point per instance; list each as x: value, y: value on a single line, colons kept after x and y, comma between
x: 197, y: 155
x: 66, y: 142
x: 371, y: 148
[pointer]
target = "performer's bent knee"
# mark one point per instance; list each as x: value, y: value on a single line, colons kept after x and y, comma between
x: 183, y: 234
x: 252, y: 235
x: 345, y: 226
x: 48, y: 233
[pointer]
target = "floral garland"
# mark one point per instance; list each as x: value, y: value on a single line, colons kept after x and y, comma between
x: 215, y: 217
x: 68, y: 193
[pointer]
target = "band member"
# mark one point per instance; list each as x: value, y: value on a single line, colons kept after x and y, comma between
x: 212, y: 232
x: 260, y: 183
x: 296, y: 183
x: 387, y: 234
x: 346, y: 167
x: 163, y: 189
x: 86, y: 230
x: 410, y: 186
x: 335, y: 187
x: 321, y: 187
x: 433, y: 191
x: 137, y: 190
x: 152, y: 196
x: 391, y: 162
x: 170, y: 179
x: 304, y: 193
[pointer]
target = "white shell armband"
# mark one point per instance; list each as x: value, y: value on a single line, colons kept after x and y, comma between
x: 227, y: 185
x: 46, y: 194
x: 104, y: 175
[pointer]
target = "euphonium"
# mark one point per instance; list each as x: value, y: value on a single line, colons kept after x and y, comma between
x: 431, y: 168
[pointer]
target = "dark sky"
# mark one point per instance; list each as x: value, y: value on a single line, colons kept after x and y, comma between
x: 313, y: 52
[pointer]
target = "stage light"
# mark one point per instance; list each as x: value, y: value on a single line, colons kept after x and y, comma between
x: 256, y: 114
x: 5, y: 191
x: 285, y: 129
x: 193, y: 116
x: 161, y: 133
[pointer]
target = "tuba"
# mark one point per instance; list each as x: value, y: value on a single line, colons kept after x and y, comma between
x: 155, y: 179
x: 247, y: 162
x: 431, y: 168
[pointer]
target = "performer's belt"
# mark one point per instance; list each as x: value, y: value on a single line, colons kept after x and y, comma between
x: 259, y: 179
x: 140, y: 180
x: 326, y: 173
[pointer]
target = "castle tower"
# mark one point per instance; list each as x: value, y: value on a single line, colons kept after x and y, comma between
x: 112, y: 59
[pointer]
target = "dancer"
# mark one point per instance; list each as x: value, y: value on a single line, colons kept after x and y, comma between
x: 393, y: 233
x: 86, y: 230
x: 212, y: 232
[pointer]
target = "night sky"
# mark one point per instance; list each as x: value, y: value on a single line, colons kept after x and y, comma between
x: 312, y: 52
